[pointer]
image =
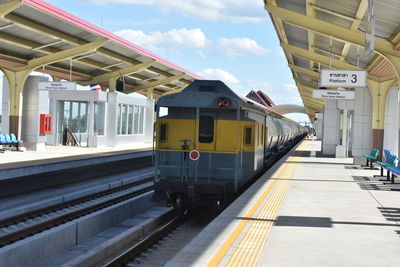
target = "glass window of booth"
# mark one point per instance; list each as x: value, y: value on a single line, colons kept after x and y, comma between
x: 99, y: 117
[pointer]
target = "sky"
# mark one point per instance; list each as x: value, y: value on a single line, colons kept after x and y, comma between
x: 230, y: 40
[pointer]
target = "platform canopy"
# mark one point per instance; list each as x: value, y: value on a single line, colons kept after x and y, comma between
x: 37, y: 36
x: 330, y: 34
x: 288, y: 108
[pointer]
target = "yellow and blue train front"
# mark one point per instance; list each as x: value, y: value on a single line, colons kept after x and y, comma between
x: 206, y: 117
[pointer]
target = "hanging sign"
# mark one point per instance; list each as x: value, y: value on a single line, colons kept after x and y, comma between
x: 344, y: 78
x: 333, y: 94
x: 57, y: 86
x: 370, y: 30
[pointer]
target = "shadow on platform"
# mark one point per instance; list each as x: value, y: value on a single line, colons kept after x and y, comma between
x: 325, y: 222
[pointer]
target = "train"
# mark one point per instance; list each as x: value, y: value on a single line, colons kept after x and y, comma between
x: 210, y: 142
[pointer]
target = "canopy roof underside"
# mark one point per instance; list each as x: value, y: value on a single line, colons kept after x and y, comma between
x: 323, y: 34
x: 38, y: 36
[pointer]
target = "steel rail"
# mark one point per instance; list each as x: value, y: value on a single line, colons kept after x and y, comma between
x: 8, y: 238
x: 148, y: 241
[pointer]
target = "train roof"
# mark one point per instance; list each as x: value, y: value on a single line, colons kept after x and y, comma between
x: 204, y: 93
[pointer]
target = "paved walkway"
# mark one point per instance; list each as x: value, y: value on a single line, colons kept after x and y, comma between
x: 307, y: 211
x: 53, y: 152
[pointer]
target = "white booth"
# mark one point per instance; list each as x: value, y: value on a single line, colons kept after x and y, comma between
x: 91, y: 118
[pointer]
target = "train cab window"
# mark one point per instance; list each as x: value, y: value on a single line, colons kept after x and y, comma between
x: 163, y: 112
x: 163, y: 132
x: 247, y: 136
x: 206, y: 129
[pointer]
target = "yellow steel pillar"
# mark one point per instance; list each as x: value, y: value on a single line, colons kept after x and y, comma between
x: 16, y: 81
x: 150, y: 93
x: 111, y: 84
x: 56, y: 79
x: 395, y: 61
x: 379, y: 91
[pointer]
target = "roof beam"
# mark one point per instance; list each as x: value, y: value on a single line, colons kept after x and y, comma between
x: 310, y: 35
x: 312, y: 105
x: 318, y: 57
x: 304, y: 71
x: 158, y: 82
x: 47, y: 45
x: 20, y: 42
x: 62, y: 55
x: 26, y: 23
x: 308, y: 104
x: 126, y: 71
x: 310, y: 84
x: 14, y: 40
x: 280, y: 29
x: 9, y: 7
x: 328, y: 29
x: 362, y: 9
x: 6, y: 26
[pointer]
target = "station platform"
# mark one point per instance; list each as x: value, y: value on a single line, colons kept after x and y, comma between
x: 14, y: 164
x: 307, y: 210
x: 10, y: 158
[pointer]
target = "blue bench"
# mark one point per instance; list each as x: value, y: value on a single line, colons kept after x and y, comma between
x: 10, y: 140
x: 372, y: 157
x: 390, y: 162
x: 394, y: 171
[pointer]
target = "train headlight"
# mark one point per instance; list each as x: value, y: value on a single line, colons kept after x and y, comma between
x: 222, y: 102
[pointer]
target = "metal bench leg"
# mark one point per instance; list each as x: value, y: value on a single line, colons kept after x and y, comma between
x: 387, y: 177
x: 381, y: 173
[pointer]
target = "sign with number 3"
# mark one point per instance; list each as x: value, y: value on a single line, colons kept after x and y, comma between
x: 343, y: 78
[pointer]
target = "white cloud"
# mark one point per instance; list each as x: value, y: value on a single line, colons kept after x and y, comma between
x: 236, y: 47
x: 218, y: 74
x: 133, y: 23
x: 285, y: 94
x: 105, y: 2
x: 201, y: 54
x: 228, y: 10
x: 173, y: 39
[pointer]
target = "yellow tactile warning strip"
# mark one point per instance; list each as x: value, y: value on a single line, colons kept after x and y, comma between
x: 258, y: 225
x: 250, y: 247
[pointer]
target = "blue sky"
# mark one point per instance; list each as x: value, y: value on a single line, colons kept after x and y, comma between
x: 231, y: 40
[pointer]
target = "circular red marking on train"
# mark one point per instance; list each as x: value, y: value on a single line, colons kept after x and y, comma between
x: 194, y: 155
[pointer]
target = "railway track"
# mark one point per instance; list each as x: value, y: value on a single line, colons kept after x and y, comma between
x: 28, y: 224
x: 162, y: 244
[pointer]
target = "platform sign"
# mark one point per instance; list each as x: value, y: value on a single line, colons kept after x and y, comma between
x: 344, y: 78
x: 333, y: 94
x: 194, y: 155
x: 57, y: 86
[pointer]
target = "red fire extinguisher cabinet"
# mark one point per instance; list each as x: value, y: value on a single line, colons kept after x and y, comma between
x: 45, y: 123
